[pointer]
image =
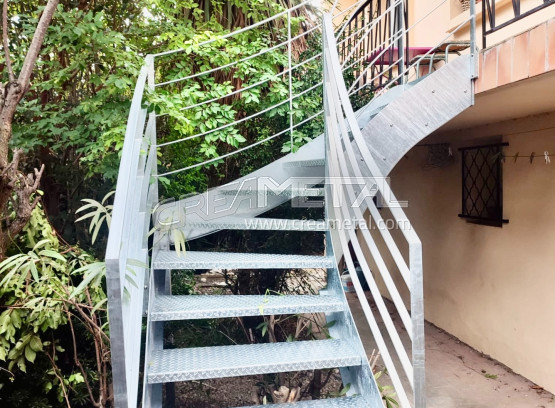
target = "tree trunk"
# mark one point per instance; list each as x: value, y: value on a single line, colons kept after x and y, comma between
x: 17, y: 190
x: 5, y: 136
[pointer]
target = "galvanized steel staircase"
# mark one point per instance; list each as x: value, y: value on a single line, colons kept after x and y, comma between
x: 391, y: 125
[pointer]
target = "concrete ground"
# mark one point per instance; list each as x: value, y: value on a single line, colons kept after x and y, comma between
x: 458, y: 376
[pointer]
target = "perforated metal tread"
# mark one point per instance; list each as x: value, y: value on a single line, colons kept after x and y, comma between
x: 345, y: 402
x: 232, y: 361
x: 260, y: 224
x: 228, y: 260
x: 167, y: 308
x: 305, y: 163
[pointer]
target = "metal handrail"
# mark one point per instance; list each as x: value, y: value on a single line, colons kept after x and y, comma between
x: 262, y: 52
x: 352, y: 212
x: 355, y: 6
x: 240, y: 90
x: 384, y: 46
x: 341, y: 127
x: 287, y: 71
x: 388, y: 27
x: 130, y: 219
x: 358, y: 6
x: 435, y: 8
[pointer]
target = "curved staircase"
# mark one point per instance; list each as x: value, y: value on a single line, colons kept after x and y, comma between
x: 362, y: 146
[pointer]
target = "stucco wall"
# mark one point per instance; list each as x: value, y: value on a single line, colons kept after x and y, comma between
x: 494, y: 288
x: 448, y: 16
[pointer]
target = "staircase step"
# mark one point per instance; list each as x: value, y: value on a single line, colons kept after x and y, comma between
x: 305, y: 163
x: 289, y: 192
x: 228, y: 260
x: 345, y: 402
x: 260, y: 224
x: 173, y: 365
x: 167, y: 308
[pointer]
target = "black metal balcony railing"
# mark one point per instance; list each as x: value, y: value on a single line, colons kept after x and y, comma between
x: 488, y: 16
x: 379, y: 22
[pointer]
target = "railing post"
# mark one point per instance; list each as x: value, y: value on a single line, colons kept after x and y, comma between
x: 401, y: 41
x: 484, y: 23
x: 473, y: 50
x: 417, y: 317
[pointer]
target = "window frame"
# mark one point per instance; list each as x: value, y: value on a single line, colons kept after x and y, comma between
x: 469, y: 201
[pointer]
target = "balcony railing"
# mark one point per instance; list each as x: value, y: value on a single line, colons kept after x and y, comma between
x: 489, y: 15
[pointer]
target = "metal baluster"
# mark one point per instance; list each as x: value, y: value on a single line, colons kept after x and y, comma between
x: 484, y: 41
x: 474, y: 62
x: 289, y: 62
x: 516, y: 8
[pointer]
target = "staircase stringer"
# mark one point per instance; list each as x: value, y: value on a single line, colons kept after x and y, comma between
x: 418, y: 112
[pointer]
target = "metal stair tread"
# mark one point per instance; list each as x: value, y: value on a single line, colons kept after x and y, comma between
x: 184, y: 364
x: 345, y: 402
x: 167, y: 259
x: 166, y: 308
x: 260, y: 224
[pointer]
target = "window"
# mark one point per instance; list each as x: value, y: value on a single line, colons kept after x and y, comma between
x: 482, y: 184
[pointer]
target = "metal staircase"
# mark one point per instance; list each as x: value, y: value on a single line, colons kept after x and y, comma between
x: 362, y: 146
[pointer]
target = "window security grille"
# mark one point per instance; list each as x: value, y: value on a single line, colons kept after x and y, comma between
x: 482, y: 184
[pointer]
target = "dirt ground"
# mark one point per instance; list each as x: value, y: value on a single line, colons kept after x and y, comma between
x: 238, y: 391
x: 457, y: 376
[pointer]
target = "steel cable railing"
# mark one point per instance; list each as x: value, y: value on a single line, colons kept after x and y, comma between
x: 239, y: 31
x: 288, y: 71
x: 245, y: 120
x: 244, y: 59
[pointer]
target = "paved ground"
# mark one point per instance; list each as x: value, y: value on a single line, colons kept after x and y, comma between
x: 460, y: 377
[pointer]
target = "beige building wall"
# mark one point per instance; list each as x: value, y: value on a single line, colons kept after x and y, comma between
x: 449, y: 15
x: 503, y: 12
x: 494, y: 288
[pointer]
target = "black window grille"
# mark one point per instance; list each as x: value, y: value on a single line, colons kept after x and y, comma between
x: 489, y: 15
x: 482, y: 184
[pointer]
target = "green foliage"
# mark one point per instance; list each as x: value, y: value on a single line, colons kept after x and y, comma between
x: 40, y: 290
x: 38, y: 229
x: 79, y: 98
x: 73, y: 120
x: 387, y: 391
x: 341, y: 393
x: 100, y: 213
x: 197, y: 113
